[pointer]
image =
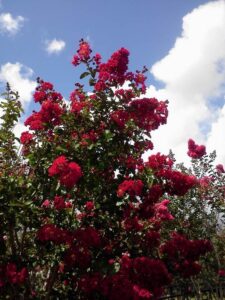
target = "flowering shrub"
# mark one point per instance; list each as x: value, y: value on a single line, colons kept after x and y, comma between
x: 200, y: 215
x: 82, y: 215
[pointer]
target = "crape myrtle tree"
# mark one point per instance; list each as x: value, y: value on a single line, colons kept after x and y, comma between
x: 82, y: 215
x: 200, y: 213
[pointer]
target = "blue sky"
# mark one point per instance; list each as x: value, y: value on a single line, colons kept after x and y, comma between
x: 147, y: 28
x: 182, y: 42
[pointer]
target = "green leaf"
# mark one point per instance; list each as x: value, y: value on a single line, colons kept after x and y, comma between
x: 83, y: 75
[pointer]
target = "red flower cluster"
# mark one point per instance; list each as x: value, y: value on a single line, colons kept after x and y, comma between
x: 220, y: 169
x: 68, y: 172
x: 162, y: 212
x: 221, y: 273
x: 89, y: 205
x: 147, y: 209
x: 59, y: 203
x: 26, y: 138
x: 51, y: 233
x: 125, y: 95
x: 88, y: 236
x: 83, y: 53
x: 9, y: 273
x: 14, y: 276
x: 158, y: 162
x: 145, y: 269
x: 195, y: 151
x: 205, y: 181
x: 45, y: 91
x: 132, y: 187
x: 77, y: 256
x: 139, y: 79
x: 76, y: 107
x: 78, y: 101
x: 152, y: 239
x: 90, y: 283
x: 184, y: 253
x: 149, y: 113
x: 120, y: 117
x: 138, y: 278
x: 177, y: 183
x: 50, y: 114
x: 80, y: 254
x: 113, y: 71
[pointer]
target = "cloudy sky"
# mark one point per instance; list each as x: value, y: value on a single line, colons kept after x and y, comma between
x: 182, y: 42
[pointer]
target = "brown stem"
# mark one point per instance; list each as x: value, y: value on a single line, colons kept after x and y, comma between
x: 51, y: 281
x: 22, y: 240
x: 12, y: 240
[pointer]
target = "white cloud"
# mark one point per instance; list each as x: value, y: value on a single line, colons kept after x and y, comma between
x: 10, y: 24
x: 55, y: 46
x: 215, y: 139
x: 19, y: 78
x: 194, y: 73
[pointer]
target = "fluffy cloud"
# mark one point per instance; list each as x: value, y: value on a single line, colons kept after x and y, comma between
x: 10, y: 24
x: 216, y: 136
x: 193, y: 73
x: 55, y: 46
x: 19, y: 78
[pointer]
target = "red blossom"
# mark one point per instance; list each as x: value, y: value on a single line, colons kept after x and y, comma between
x: 159, y: 161
x: 84, y: 51
x: 120, y: 117
x: 50, y: 232
x: 88, y: 236
x: 142, y: 293
x: 45, y: 91
x: 132, y: 187
x: 184, y: 253
x: 59, y: 166
x: 194, y: 150
x: 149, y: 113
x: 46, y: 203
x: 97, y: 58
x: 205, y: 181
x: 77, y: 256
x: 125, y: 95
x: 221, y: 273
x: 14, y: 276
x: 45, y: 86
x: 77, y: 96
x: 75, y: 60
x: 90, y: 283
x: 152, y: 239
x: 40, y: 96
x: 150, y: 273
x: 50, y: 113
x: 177, y: 183
x: 34, y: 121
x: 89, y: 205
x: 113, y: 72
x: 220, y: 169
x: 76, y: 106
x: 59, y: 203
x: 100, y: 86
x: 68, y: 172
x: 26, y: 138
x: 162, y: 212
